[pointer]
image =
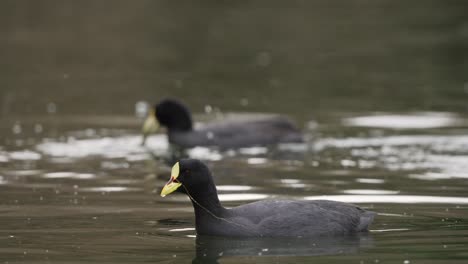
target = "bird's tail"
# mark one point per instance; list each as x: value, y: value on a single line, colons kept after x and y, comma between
x: 365, y: 221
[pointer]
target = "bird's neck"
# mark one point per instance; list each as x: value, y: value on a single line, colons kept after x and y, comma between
x: 180, y: 128
x: 207, y: 205
x: 183, y: 123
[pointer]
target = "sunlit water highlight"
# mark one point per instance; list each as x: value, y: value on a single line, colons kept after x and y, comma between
x: 398, y: 199
x: 422, y: 120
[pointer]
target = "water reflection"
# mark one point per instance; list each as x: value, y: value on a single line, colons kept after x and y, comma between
x: 398, y: 199
x: 24, y: 155
x: 110, y: 180
x: 211, y: 249
x: 70, y: 175
x: 421, y: 120
x: 110, y: 147
x: 128, y: 147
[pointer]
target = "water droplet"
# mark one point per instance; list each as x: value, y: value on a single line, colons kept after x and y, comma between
x: 244, y: 102
x: 90, y: 132
x: 348, y: 163
x: 16, y: 128
x: 274, y: 82
x: 178, y: 83
x: 51, y: 108
x: 141, y: 109
x: 38, y: 128
x: 263, y: 59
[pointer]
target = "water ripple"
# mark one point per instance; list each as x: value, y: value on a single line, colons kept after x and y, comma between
x: 398, y: 199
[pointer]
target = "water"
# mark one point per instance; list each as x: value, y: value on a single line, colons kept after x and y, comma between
x: 379, y: 88
x: 93, y: 195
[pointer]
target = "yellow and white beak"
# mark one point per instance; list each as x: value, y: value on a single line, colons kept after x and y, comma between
x: 173, y: 183
x: 151, y: 125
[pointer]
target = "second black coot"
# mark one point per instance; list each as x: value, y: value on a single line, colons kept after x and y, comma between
x: 176, y: 117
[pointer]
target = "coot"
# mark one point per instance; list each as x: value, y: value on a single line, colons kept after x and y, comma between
x: 176, y: 117
x: 268, y: 218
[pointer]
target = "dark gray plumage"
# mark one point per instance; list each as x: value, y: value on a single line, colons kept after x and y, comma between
x: 270, y: 218
x: 263, y: 131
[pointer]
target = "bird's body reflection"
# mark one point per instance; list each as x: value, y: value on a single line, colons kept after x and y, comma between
x: 209, y: 249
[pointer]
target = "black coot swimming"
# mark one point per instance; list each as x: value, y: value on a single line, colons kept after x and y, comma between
x: 176, y: 117
x: 269, y: 218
